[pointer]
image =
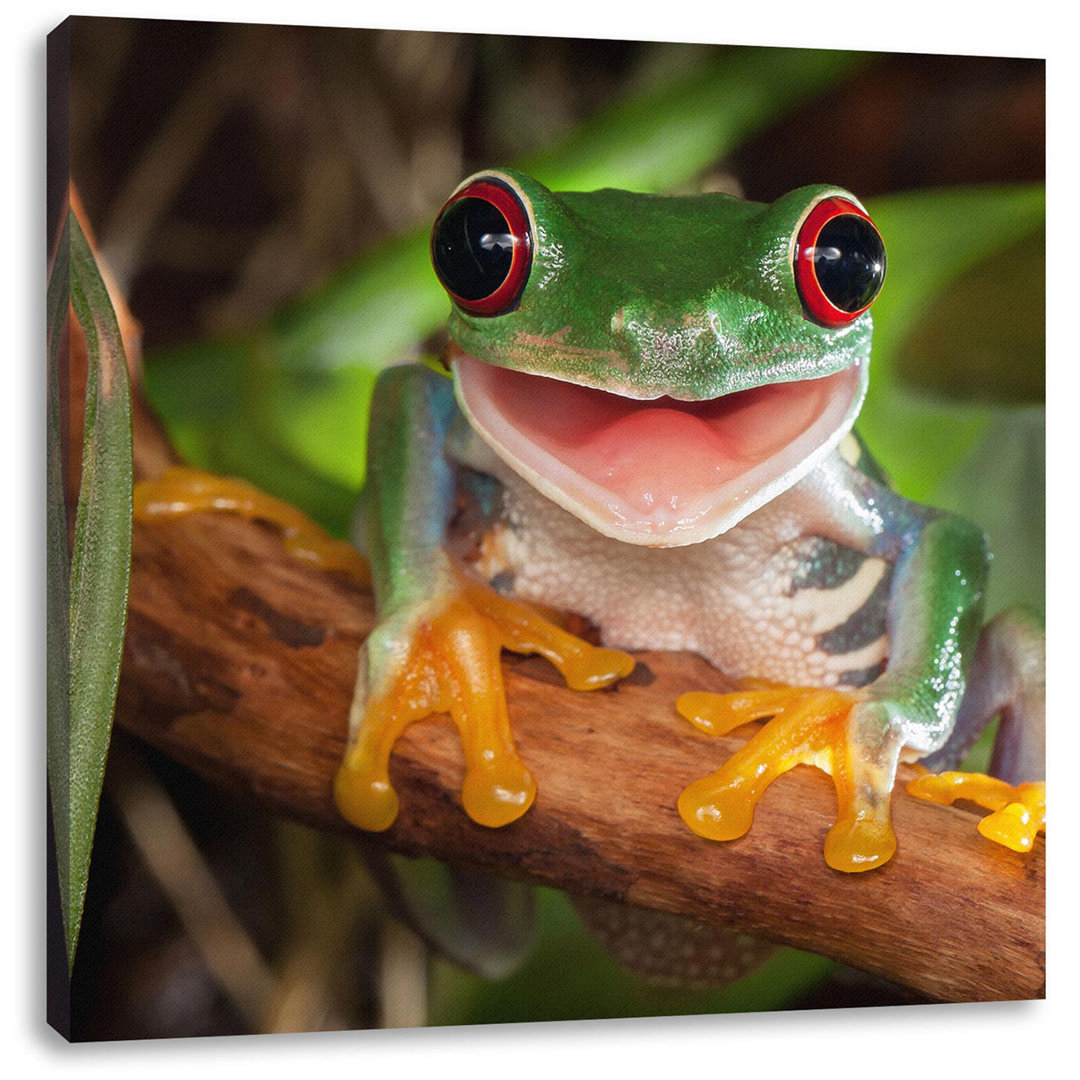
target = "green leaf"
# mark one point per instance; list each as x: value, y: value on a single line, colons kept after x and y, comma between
x: 57, y: 575
x: 96, y: 611
x: 933, y: 237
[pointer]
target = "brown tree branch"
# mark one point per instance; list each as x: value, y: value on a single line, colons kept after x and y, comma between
x: 240, y: 662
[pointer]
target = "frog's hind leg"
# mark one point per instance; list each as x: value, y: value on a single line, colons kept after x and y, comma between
x: 1008, y: 676
x: 182, y: 489
x: 667, y: 949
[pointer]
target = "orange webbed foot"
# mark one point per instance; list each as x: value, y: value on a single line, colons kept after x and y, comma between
x: 808, y: 726
x: 446, y: 659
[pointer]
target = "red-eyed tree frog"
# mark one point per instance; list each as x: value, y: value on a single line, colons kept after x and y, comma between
x: 648, y: 420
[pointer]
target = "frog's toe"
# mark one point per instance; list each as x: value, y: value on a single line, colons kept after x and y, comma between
x: 718, y: 807
x: 860, y: 840
x: 807, y: 727
x: 717, y: 714
x: 364, y: 796
x: 495, y: 794
x: 584, y: 666
x: 498, y: 788
x: 1019, y: 811
x: 362, y: 789
x: 593, y: 667
x: 1014, y: 826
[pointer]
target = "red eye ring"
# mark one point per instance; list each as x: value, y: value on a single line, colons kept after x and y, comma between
x: 837, y: 287
x: 481, y: 247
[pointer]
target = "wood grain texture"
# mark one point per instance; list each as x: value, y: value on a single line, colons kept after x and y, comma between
x: 240, y: 662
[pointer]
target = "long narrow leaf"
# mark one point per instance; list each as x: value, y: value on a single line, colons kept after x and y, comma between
x: 100, y: 568
x: 58, y: 569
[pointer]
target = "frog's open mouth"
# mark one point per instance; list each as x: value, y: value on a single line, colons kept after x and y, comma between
x: 658, y: 472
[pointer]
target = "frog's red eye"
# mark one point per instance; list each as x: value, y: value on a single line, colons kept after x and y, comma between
x: 481, y: 247
x: 839, y: 262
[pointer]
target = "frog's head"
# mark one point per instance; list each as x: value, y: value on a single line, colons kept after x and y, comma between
x: 659, y: 366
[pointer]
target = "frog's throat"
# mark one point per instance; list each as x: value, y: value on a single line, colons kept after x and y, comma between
x: 658, y: 473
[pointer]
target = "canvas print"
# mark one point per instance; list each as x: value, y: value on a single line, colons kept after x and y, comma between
x: 539, y: 529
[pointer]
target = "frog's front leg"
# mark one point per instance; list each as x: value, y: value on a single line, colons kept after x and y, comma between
x: 859, y: 736
x: 1008, y: 677
x: 436, y: 647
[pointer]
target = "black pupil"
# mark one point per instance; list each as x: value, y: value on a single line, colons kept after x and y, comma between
x: 849, y: 260
x: 473, y: 248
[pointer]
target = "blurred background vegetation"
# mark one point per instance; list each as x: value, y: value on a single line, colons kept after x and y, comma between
x: 263, y: 195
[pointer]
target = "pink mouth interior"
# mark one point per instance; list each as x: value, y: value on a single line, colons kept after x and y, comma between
x: 662, y: 459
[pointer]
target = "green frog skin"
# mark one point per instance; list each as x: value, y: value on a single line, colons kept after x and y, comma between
x: 647, y: 419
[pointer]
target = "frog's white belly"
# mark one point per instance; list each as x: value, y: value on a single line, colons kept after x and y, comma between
x: 759, y: 600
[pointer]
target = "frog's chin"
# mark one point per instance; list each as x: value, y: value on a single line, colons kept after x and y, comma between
x: 660, y: 472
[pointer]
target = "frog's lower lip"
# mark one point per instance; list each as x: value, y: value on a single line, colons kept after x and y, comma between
x: 657, y: 472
